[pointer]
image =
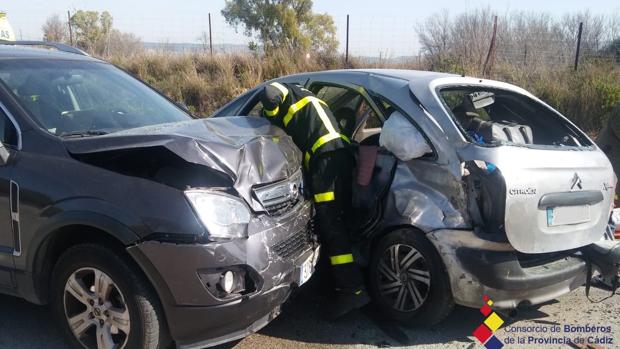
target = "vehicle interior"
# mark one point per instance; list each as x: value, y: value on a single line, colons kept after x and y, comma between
x: 494, y: 117
x: 68, y: 97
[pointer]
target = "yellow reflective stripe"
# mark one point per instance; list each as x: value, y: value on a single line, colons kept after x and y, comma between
x: 294, y: 108
x: 341, y: 259
x: 272, y: 112
x: 326, y: 122
x: 345, y: 138
x: 307, y: 160
x: 324, y: 197
x: 282, y: 89
x: 324, y: 139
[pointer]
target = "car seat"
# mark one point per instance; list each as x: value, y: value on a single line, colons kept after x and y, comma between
x: 37, y: 97
x: 345, y: 117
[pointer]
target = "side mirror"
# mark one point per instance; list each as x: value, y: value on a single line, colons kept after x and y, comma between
x: 402, y: 138
x: 4, y: 155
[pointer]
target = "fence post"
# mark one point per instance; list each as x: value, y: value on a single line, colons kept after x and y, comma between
x: 486, y: 70
x: 346, y: 52
x: 210, y: 36
x: 525, y: 55
x: 578, y: 45
x: 69, y: 24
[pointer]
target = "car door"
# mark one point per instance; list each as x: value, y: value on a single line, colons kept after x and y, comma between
x: 359, y: 117
x: 10, y: 244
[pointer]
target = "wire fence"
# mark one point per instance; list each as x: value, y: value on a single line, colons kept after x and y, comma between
x: 372, y: 38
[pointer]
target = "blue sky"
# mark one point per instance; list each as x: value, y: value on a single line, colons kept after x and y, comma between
x: 379, y: 26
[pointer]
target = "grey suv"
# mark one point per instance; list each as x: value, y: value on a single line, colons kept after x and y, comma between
x: 138, y: 224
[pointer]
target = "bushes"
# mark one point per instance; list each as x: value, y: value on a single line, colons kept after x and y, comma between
x: 205, y: 83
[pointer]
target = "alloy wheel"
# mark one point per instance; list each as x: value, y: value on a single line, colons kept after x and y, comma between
x: 95, y: 310
x: 403, y: 278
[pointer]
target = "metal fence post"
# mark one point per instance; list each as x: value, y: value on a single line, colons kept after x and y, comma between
x: 346, y: 52
x: 69, y: 24
x: 210, y: 36
x: 488, y: 63
x: 578, y: 45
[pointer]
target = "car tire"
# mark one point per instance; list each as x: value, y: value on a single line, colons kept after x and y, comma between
x: 108, y: 301
x: 419, y: 296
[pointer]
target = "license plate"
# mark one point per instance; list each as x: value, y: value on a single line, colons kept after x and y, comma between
x: 307, y: 267
x: 565, y: 215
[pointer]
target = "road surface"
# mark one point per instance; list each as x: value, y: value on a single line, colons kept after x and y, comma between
x: 27, y: 326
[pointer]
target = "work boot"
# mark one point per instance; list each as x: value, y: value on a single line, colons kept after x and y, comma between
x: 345, y: 302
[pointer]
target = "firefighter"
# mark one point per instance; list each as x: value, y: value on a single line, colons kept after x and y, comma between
x: 328, y: 165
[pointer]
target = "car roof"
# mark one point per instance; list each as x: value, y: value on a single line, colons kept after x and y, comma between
x: 413, y: 76
x: 23, y: 52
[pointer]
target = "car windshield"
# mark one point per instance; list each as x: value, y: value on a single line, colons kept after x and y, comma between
x: 85, y: 98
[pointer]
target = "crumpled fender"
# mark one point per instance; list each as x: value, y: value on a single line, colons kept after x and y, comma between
x: 247, y: 149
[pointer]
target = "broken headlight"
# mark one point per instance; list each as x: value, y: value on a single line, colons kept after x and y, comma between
x: 223, y: 215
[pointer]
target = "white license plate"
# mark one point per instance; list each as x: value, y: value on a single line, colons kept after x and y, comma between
x: 307, y: 267
x: 565, y: 215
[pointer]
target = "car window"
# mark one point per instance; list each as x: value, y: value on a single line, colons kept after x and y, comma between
x: 256, y: 110
x: 8, y: 132
x: 65, y: 96
x: 351, y: 110
x: 491, y: 116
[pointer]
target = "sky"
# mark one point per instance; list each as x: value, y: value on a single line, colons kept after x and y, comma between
x: 379, y: 27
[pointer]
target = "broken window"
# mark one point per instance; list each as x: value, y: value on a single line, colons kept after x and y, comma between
x: 490, y: 116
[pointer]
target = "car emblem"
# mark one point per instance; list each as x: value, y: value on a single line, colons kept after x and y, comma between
x: 293, y: 191
x: 576, y: 182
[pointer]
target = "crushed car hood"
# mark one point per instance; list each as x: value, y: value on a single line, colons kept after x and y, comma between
x: 247, y: 149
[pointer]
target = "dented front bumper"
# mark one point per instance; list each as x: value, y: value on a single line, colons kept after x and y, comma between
x: 272, y: 258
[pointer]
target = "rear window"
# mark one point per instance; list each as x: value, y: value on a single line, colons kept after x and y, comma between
x: 496, y: 117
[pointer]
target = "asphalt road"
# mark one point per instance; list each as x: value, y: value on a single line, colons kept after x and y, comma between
x: 27, y: 326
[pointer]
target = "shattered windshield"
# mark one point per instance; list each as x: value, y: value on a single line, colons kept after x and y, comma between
x: 81, y: 98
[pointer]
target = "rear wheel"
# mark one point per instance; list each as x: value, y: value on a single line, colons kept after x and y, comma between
x: 101, y: 302
x: 408, y: 281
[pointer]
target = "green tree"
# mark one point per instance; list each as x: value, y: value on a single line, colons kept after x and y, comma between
x: 284, y: 24
x: 92, y: 30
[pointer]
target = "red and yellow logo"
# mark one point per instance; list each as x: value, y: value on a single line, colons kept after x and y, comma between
x: 485, y: 332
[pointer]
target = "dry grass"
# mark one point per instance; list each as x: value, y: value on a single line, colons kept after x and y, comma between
x: 204, y: 82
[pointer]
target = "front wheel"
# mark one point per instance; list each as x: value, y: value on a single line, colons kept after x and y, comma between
x: 408, y: 281
x: 102, y: 302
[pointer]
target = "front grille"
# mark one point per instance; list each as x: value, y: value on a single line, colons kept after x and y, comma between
x: 278, y: 198
x: 293, y: 245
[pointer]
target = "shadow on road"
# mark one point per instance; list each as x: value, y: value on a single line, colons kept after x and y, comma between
x: 28, y: 326
x: 301, y: 322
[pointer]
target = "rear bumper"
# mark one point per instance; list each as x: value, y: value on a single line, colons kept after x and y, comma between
x: 478, y: 267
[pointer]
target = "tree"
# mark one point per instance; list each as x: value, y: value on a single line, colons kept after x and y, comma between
x: 92, y: 30
x: 55, y: 29
x: 285, y: 24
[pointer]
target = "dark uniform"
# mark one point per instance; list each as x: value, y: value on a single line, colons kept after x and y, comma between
x: 328, y: 164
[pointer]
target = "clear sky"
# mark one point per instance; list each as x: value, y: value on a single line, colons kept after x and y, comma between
x: 378, y: 26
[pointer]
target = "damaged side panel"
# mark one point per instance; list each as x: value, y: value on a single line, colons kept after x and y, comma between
x: 427, y: 196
